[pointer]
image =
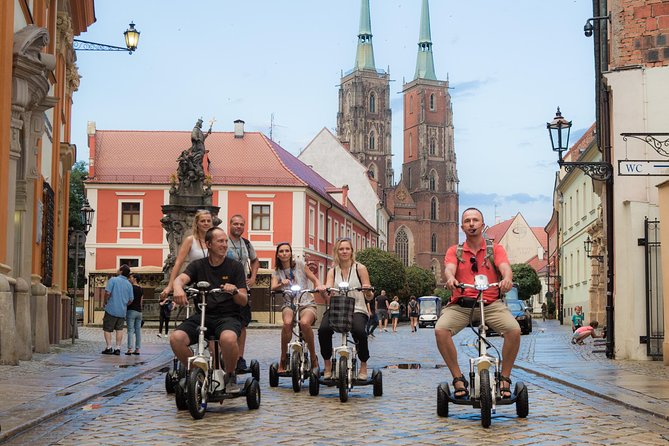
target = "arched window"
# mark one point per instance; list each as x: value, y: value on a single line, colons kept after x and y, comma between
x: 433, y: 245
x: 372, y: 141
x: 349, y: 104
x: 433, y: 209
x: 433, y: 182
x: 432, y: 102
x: 433, y: 147
x: 402, y: 246
x: 410, y: 104
x: 410, y: 145
x: 372, y: 103
x: 372, y: 170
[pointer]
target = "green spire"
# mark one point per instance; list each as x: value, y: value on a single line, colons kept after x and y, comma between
x: 364, y: 58
x: 425, y: 61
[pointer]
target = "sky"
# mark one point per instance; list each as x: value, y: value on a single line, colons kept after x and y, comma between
x: 510, y: 65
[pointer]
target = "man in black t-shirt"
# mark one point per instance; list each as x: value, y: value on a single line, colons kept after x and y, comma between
x: 223, y: 313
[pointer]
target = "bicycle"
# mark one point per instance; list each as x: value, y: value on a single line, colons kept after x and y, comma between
x: 297, y: 357
x: 344, y: 363
x: 205, y: 378
x: 484, y: 371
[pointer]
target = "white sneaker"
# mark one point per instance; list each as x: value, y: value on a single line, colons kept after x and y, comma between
x: 159, y: 335
x: 231, y: 385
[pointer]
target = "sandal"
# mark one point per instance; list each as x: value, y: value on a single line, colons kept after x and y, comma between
x: 505, y: 392
x: 460, y: 393
x: 283, y: 365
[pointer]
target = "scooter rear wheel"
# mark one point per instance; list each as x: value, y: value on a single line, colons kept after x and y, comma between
x: 169, y: 381
x: 343, y: 379
x: 377, y: 382
x: 198, y: 390
x: 485, y: 398
x: 274, y: 374
x: 253, y: 394
x: 522, y: 400
x: 442, y: 399
x: 255, y: 370
x: 314, y: 384
x: 180, y: 397
x: 296, y: 372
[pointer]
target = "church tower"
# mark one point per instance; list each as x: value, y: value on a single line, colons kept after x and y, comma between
x: 364, y: 117
x: 425, y: 202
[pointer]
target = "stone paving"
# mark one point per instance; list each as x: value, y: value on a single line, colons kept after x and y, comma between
x: 139, y: 412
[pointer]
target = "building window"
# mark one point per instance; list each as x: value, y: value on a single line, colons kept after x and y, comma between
x: 330, y: 229
x: 410, y: 104
x: 264, y: 264
x: 130, y: 215
x: 372, y: 103
x: 433, y: 147
x: 433, y: 182
x: 321, y: 226
x: 432, y: 102
x: 336, y: 230
x: 410, y: 145
x: 132, y: 263
x: 372, y: 141
x: 433, y: 244
x: 433, y: 209
x: 260, y: 217
x: 312, y: 221
x: 402, y: 246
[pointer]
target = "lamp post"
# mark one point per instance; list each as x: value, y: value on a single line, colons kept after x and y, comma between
x: 558, y: 130
x: 587, y: 247
x: 86, y: 216
x: 131, y: 41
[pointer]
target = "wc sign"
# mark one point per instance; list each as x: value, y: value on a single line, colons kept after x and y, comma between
x: 657, y: 168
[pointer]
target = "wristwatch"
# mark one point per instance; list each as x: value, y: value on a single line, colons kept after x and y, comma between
x: 236, y: 290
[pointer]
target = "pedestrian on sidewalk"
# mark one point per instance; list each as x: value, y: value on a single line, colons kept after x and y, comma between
x: 134, y: 317
x: 543, y: 311
x: 382, y: 310
x: 394, y: 308
x: 413, y: 309
x: 118, y: 293
x: 577, y: 318
x: 166, y: 307
x: 583, y: 332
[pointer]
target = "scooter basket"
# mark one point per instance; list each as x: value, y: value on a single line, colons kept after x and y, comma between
x: 341, y: 313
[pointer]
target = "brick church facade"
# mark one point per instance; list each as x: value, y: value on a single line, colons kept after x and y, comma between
x: 424, y: 203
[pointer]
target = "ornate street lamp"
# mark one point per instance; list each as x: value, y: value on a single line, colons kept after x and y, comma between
x: 559, y: 129
x: 587, y: 246
x: 131, y: 41
x: 79, y: 235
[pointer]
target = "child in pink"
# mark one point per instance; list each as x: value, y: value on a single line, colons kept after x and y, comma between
x: 583, y: 332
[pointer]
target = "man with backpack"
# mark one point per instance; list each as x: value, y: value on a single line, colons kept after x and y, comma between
x: 476, y: 256
x: 242, y: 250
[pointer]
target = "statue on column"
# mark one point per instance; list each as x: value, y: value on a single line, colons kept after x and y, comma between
x: 190, y: 170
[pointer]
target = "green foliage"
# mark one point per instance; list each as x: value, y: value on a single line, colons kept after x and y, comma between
x: 386, y: 271
x: 444, y: 293
x: 77, y: 176
x: 420, y: 282
x: 527, y: 279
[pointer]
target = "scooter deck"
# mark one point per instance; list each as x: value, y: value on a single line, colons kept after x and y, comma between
x: 333, y: 381
x: 468, y: 401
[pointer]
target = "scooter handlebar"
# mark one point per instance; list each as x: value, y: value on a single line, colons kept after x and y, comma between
x: 462, y: 286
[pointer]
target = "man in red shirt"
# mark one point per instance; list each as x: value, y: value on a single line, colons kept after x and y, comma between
x: 455, y: 316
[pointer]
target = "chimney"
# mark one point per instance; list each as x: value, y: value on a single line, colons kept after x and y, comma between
x: 239, y: 128
x: 344, y: 195
x: 91, y: 130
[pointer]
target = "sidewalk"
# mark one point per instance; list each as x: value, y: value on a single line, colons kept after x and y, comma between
x: 74, y: 374
x: 639, y: 385
x: 71, y: 375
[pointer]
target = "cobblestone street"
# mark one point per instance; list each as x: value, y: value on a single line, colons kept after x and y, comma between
x: 142, y: 413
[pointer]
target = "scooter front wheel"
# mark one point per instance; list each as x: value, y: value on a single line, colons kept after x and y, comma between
x: 343, y: 379
x: 485, y: 397
x: 198, y: 388
x: 296, y: 371
x: 522, y: 400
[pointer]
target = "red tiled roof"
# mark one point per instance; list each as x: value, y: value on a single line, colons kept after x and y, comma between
x: 536, y: 264
x: 149, y: 157
x: 497, y: 231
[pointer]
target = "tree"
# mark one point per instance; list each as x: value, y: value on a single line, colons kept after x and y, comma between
x: 527, y: 279
x: 420, y: 281
x: 444, y: 293
x: 77, y: 176
x: 386, y: 271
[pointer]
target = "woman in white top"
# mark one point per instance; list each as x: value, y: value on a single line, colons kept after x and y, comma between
x: 289, y: 272
x: 346, y: 269
x: 192, y: 248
